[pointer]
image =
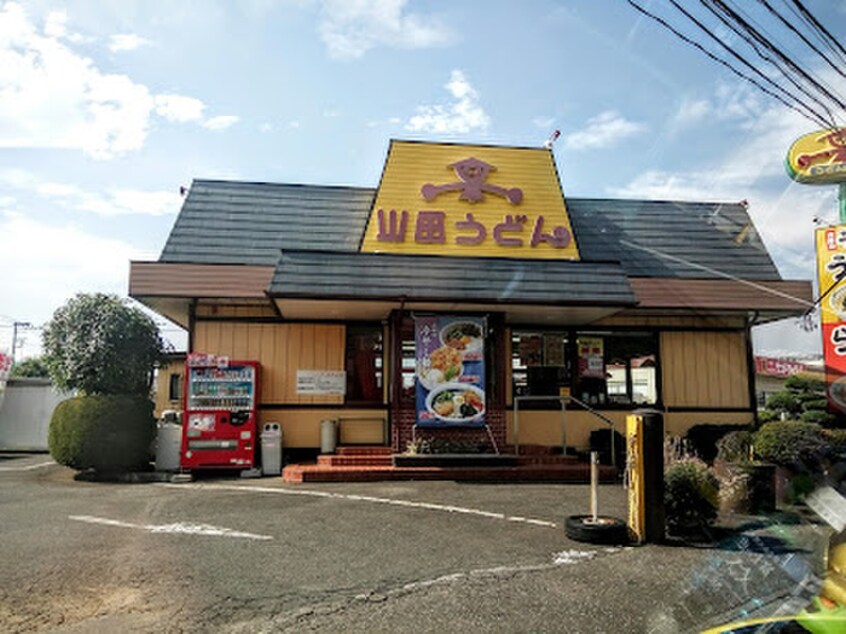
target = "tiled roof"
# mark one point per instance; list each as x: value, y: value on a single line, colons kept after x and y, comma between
x: 225, y: 222
x: 392, y: 276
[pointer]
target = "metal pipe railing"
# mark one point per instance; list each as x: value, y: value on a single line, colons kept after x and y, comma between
x: 563, y: 401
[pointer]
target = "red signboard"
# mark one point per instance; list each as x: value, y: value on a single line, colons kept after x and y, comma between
x: 770, y: 366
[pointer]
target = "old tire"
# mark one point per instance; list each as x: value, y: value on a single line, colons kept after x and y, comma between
x: 606, y: 530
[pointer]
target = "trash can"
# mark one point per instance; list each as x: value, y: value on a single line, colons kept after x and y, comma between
x: 328, y: 435
x: 271, y: 449
x: 168, y: 446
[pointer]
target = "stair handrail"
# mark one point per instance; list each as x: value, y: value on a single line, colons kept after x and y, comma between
x: 563, y: 401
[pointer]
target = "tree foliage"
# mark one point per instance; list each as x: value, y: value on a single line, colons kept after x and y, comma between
x: 35, y: 367
x: 97, y: 344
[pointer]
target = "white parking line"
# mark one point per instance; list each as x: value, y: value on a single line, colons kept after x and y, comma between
x: 177, y: 527
x: 366, y: 498
x: 28, y: 467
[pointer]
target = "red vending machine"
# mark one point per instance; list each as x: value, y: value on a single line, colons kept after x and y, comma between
x: 220, y: 417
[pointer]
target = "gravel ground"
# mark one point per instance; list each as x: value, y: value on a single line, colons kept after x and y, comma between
x: 229, y: 555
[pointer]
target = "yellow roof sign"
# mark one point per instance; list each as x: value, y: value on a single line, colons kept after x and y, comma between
x: 818, y: 158
x: 470, y: 200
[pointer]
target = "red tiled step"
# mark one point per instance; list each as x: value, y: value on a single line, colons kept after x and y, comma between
x: 550, y: 459
x: 372, y: 450
x: 530, y: 473
x: 345, y: 460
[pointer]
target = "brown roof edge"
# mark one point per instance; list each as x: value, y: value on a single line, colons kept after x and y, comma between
x: 163, y: 279
x: 791, y: 295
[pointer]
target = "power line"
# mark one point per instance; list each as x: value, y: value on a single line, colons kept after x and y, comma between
x: 799, y: 89
x: 801, y: 36
x: 818, y: 27
x: 801, y: 108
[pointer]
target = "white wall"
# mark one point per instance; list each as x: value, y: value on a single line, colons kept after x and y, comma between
x: 25, y: 412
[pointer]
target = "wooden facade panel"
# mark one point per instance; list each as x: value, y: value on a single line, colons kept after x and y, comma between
x: 282, y: 349
x: 704, y: 369
x: 205, y: 309
x: 544, y: 428
x: 653, y: 321
x: 161, y: 279
x: 301, y: 428
x: 721, y: 294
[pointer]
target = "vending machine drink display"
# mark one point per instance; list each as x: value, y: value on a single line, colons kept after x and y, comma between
x: 220, y: 420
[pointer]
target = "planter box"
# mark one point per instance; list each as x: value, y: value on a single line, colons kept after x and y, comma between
x: 746, y: 487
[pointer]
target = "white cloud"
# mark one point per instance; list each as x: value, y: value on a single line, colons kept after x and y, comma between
x: 729, y: 102
x: 51, y: 264
x: 7, y: 201
x: 109, y: 203
x: 294, y: 124
x: 461, y: 116
x: 350, y: 28
x: 53, y: 97
x: 691, y: 112
x: 221, y: 122
x: 264, y: 128
x: 605, y: 130
x: 752, y: 168
x: 178, y: 108
x: 126, y: 42
x: 543, y: 122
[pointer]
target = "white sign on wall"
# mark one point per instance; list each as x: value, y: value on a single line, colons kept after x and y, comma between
x: 322, y: 382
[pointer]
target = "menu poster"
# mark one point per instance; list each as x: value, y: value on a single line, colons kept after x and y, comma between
x: 450, y: 385
x: 553, y: 350
x: 591, y: 357
x: 531, y: 351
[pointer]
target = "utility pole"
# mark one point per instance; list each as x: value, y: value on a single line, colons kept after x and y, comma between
x: 15, y: 326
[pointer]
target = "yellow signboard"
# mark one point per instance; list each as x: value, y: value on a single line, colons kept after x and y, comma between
x: 470, y: 200
x: 831, y: 271
x: 635, y: 477
x: 818, y: 158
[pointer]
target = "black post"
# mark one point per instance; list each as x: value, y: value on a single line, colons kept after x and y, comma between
x: 653, y: 474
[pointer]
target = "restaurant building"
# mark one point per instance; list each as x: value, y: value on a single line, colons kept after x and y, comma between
x: 467, y: 298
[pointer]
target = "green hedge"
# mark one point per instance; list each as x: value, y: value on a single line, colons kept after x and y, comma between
x: 790, y: 444
x: 102, y: 432
x: 704, y: 439
x: 690, y: 497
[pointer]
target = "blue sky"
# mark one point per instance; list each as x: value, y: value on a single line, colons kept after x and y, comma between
x: 107, y: 108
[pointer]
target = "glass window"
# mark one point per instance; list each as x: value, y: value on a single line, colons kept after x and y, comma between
x: 539, y: 365
x: 364, y: 363
x: 616, y: 369
x: 174, y: 390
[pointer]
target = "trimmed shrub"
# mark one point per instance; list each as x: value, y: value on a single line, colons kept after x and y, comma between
x: 790, y: 444
x: 735, y: 446
x: 767, y: 415
x: 690, y: 497
x: 786, y: 402
x: 816, y: 416
x: 702, y: 439
x: 102, y: 432
x: 835, y: 441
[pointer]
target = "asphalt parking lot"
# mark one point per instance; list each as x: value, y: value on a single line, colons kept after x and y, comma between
x: 236, y: 555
